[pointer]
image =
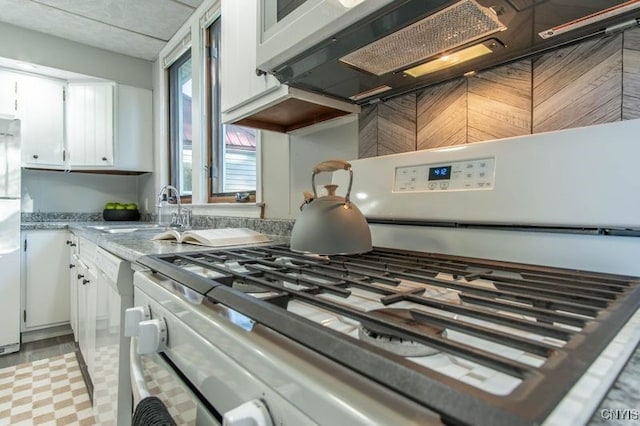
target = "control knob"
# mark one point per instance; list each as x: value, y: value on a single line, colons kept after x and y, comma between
x: 132, y: 319
x: 152, y: 336
x: 252, y: 413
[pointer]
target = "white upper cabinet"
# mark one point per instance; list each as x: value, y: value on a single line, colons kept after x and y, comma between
x: 90, y: 124
x: 133, y: 129
x: 260, y: 101
x: 80, y: 125
x: 109, y: 126
x: 8, y: 93
x: 41, y: 111
x: 239, y: 83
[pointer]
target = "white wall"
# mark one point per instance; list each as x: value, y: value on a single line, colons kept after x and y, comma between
x: 41, y: 49
x: 338, y: 142
x: 275, y: 164
x: 47, y: 191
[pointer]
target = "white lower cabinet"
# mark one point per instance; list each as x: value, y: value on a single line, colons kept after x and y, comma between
x: 91, y: 302
x: 46, y: 279
x: 74, y: 267
x: 87, y: 309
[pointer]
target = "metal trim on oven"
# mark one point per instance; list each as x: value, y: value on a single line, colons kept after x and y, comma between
x: 594, y: 230
x: 141, y: 391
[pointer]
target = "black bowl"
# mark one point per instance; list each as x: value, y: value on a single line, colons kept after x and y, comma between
x: 121, y: 214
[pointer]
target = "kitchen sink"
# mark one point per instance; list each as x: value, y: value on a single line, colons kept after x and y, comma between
x: 117, y: 229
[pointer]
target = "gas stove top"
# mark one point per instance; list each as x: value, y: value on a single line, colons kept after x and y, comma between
x: 506, y: 341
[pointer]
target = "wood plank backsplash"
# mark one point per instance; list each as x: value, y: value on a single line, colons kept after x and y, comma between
x: 631, y: 75
x: 500, y: 102
x: 594, y: 82
x: 442, y: 115
x: 397, y: 125
x: 579, y: 85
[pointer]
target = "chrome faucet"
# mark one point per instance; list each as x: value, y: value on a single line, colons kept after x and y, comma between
x: 179, y: 219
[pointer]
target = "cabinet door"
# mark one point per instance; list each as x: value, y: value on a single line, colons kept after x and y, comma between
x: 74, y: 270
x: 90, y: 124
x: 134, y: 127
x: 8, y: 88
x: 87, y: 300
x: 46, y: 279
x: 239, y: 83
x: 91, y: 299
x: 41, y: 109
x: 83, y: 335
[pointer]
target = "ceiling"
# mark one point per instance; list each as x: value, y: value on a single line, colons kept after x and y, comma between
x: 138, y: 28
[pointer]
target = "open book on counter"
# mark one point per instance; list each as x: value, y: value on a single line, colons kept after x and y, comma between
x: 214, y: 237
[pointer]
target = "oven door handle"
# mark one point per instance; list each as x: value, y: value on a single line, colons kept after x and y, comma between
x: 207, y: 415
x: 138, y: 384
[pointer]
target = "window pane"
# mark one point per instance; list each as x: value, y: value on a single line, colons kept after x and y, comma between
x: 180, y: 95
x: 233, y: 148
x: 239, y: 159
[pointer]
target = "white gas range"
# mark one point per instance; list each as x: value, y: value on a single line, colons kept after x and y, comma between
x: 503, y: 289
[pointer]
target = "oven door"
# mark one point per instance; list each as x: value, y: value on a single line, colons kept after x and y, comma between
x: 287, y: 28
x: 153, y: 375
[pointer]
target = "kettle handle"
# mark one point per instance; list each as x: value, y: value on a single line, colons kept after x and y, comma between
x: 332, y: 166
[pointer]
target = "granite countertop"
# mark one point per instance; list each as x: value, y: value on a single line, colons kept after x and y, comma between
x: 131, y: 245
x: 624, y: 394
x: 126, y: 245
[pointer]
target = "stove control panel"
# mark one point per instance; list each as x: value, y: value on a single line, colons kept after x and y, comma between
x: 465, y: 175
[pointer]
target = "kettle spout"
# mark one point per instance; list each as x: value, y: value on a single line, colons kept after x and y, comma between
x: 308, y: 198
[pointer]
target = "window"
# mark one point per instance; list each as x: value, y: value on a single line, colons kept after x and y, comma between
x: 232, y: 149
x: 180, y: 96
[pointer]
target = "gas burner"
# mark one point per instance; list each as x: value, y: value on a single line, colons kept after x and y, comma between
x: 378, y: 335
x: 248, y: 288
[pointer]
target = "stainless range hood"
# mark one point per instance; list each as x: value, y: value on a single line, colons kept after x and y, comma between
x: 411, y: 44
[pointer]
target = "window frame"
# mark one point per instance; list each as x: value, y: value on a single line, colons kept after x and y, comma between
x: 213, y: 121
x: 173, y: 86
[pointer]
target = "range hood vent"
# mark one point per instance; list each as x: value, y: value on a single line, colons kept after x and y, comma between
x: 450, y: 28
x: 385, y: 49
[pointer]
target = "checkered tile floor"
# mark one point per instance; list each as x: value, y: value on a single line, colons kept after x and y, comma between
x: 105, y: 386
x: 45, y: 392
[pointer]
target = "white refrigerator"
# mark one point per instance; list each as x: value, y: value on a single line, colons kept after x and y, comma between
x: 9, y: 235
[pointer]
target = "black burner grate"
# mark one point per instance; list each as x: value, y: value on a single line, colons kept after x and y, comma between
x: 576, y: 312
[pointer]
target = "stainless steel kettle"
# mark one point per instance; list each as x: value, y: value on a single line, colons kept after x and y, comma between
x: 331, y: 224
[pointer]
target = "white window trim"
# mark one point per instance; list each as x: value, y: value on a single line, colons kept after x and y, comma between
x: 192, y: 35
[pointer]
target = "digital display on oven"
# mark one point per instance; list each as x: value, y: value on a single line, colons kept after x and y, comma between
x: 440, y: 173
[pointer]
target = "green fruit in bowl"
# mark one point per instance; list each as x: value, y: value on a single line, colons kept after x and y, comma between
x: 131, y: 206
x: 110, y: 206
x: 119, y: 206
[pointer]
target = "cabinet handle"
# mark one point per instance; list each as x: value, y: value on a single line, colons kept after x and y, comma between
x: 104, y: 158
x: 80, y: 276
x: 84, y: 282
x: 35, y: 156
x: 68, y: 242
x: 71, y: 266
x: 72, y: 244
